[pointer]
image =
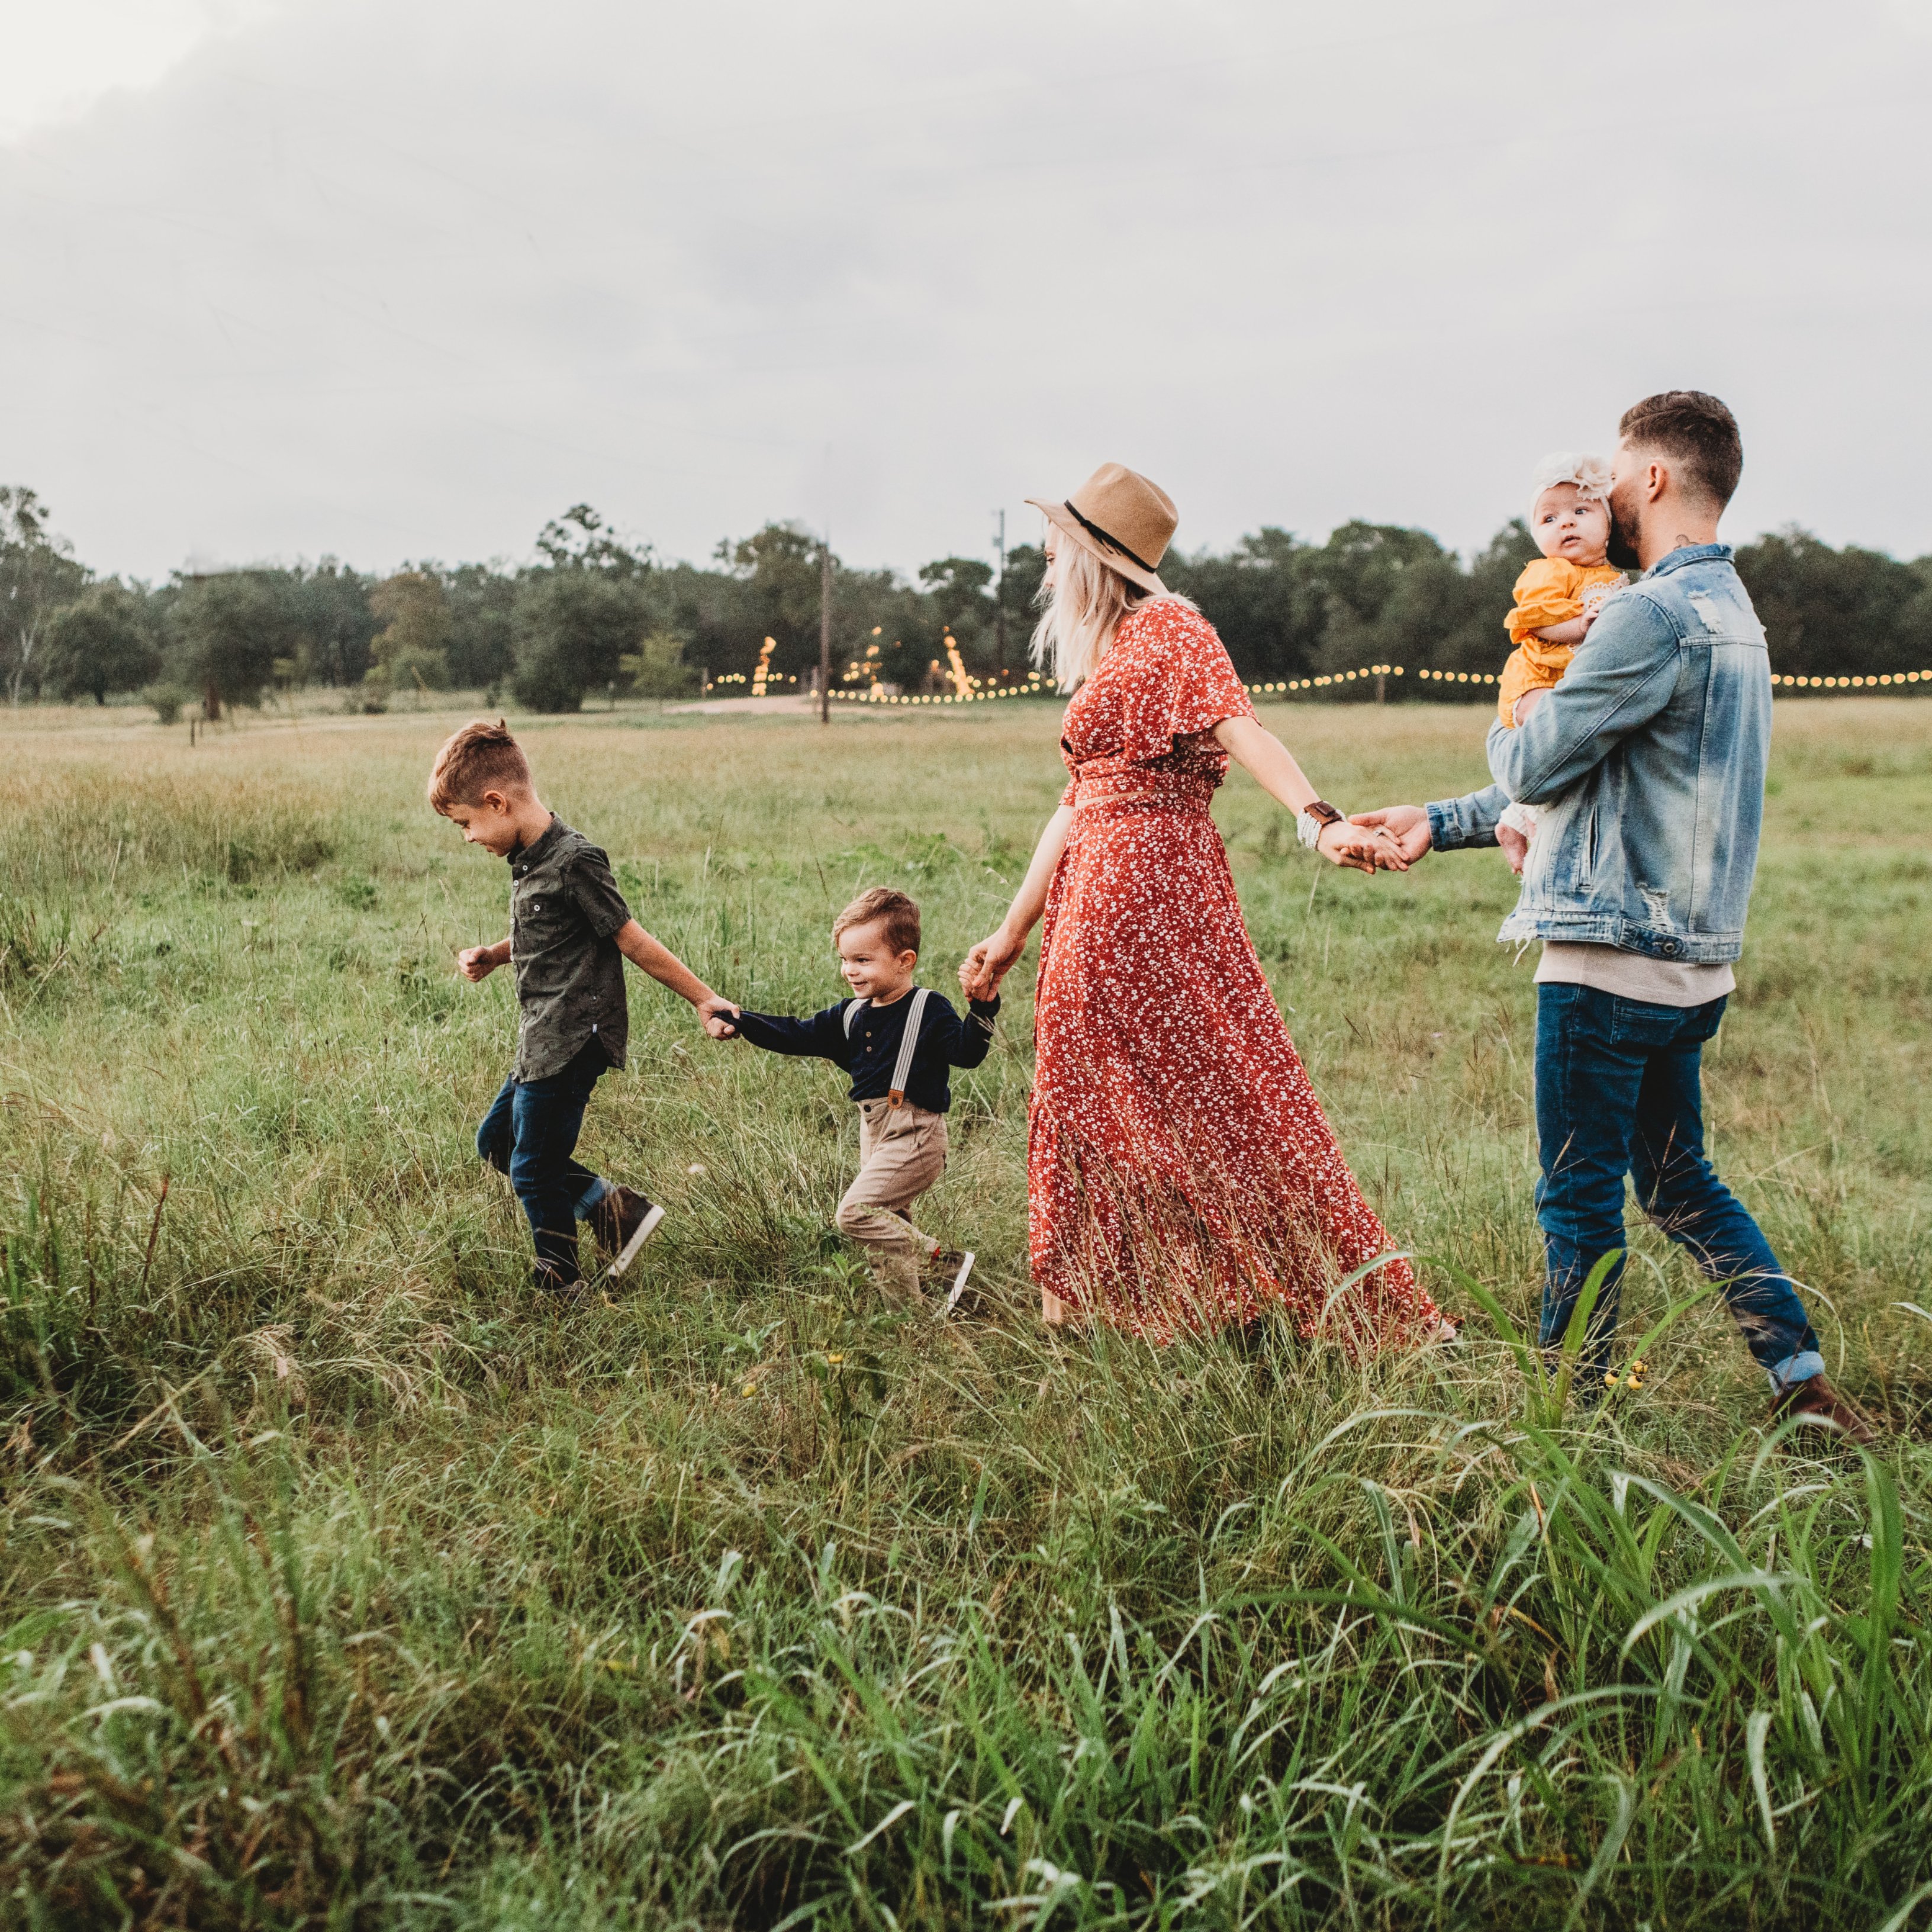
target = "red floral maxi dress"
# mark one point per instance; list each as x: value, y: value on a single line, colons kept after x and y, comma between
x: 1179, y: 1171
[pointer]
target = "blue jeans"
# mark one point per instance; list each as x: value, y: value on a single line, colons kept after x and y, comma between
x: 1619, y: 1091
x: 530, y: 1134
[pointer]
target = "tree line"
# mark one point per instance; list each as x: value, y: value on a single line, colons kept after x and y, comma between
x: 594, y: 614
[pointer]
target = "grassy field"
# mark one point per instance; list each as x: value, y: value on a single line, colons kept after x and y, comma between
x: 344, y: 1586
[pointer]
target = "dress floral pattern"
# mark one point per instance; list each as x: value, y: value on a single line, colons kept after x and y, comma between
x: 1181, y: 1172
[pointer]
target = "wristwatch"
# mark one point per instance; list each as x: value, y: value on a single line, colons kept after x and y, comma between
x: 1313, y: 819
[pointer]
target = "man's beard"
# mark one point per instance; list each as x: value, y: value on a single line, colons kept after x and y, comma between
x: 1622, y: 550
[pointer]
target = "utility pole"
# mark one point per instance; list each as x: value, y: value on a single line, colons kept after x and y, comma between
x: 1000, y: 593
x: 825, y: 630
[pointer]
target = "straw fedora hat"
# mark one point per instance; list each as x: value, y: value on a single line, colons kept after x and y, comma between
x: 1124, y: 520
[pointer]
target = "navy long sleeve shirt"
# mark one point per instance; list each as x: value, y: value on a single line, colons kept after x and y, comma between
x: 870, y: 1051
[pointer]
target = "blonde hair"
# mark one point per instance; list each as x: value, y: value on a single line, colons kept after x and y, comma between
x: 1079, y: 612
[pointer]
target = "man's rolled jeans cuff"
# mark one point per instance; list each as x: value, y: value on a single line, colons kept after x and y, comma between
x: 586, y: 1202
x: 1796, y: 1369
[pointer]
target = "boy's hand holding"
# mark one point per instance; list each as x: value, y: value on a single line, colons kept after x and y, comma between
x: 479, y: 962
x: 711, y: 1012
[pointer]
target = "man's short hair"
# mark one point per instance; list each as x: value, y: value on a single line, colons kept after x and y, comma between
x: 1698, y: 431
x: 899, y: 915
x: 482, y: 757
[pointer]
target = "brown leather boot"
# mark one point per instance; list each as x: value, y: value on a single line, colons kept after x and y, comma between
x: 1815, y: 1401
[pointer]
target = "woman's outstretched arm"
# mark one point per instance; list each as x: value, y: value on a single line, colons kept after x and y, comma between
x: 1272, y: 766
x: 993, y: 958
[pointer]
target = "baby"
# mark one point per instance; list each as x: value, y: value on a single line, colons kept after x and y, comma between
x: 1557, y: 600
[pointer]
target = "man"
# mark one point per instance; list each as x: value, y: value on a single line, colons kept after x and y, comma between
x: 1646, y: 766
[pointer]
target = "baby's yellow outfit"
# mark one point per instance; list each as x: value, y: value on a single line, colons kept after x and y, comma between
x: 1552, y: 590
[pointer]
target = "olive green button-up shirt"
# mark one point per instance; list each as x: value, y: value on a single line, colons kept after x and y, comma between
x: 564, y: 908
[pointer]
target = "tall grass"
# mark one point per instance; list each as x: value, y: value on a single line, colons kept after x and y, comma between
x: 344, y: 1585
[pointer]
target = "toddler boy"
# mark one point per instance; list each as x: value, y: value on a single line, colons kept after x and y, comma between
x: 570, y: 933
x: 896, y: 1040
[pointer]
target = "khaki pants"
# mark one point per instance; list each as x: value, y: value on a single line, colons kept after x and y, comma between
x: 901, y: 1153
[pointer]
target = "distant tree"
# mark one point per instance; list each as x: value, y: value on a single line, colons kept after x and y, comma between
x: 102, y: 642
x: 482, y: 625
x: 580, y: 539
x: 958, y: 589
x: 657, y: 669
x: 38, y: 575
x: 1262, y: 598
x: 573, y: 628
x: 329, y: 604
x: 578, y: 615
x: 778, y: 570
x: 1827, y: 612
x: 1914, y: 646
x: 228, y: 632
x: 412, y: 647
x: 1019, y: 597
x: 872, y: 607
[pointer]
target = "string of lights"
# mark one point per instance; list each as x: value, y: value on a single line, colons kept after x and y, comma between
x: 1856, y: 683
x: 1037, y: 685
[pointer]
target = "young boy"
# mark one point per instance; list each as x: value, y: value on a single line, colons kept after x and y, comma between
x: 570, y: 933
x: 896, y: 1041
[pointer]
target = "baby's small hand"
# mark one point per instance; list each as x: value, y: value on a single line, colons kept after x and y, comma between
x: 1515, y: 847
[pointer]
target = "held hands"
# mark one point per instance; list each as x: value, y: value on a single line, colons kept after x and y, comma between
x: 1361, y: 847
x: 988, y: 963
x: 1515, y: 847
x: 711, y: 1012
x: 1406, y: 825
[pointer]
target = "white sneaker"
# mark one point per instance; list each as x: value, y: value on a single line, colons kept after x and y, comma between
x: 961, y: 1265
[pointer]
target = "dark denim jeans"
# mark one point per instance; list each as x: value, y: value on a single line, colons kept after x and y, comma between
x: 530, y: 1134
x: 1619, y: 1091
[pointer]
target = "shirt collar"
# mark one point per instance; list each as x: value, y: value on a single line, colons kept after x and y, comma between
x: 525, y: 856
x: 1689, y: 553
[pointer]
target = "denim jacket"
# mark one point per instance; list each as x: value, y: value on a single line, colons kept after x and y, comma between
x: 1646, y: 767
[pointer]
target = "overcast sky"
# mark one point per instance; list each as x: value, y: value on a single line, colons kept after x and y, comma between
x: 398, y: 279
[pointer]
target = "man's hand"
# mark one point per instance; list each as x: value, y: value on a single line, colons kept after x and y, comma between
x: 1515, y: 847
x: 1368, y: 850
x: 1408, y: 824
x: 711, y: 1012
x: 479, y: 962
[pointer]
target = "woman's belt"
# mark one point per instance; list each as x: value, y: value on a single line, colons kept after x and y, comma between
x: 1173, y: 793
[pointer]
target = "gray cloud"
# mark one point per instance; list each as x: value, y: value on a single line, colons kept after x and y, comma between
x: 403, y: 280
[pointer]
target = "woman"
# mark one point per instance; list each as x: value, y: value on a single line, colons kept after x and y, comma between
x: 1179, y: 1172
